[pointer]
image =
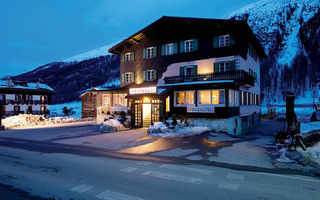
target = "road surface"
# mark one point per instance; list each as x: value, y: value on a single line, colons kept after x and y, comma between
x: 64, y: 175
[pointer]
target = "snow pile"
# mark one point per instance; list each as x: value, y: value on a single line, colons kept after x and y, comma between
x: 29, y: 120
x: 309, y: 126
x: 312, y: 154
x: 178, y: 130
x: 119, y: 109
x: 111, y: 125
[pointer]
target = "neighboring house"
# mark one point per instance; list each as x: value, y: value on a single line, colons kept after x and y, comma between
x: 17, y: 97
x: 206, y: 71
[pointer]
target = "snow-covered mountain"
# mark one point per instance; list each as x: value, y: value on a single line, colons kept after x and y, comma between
x: 278, y: 25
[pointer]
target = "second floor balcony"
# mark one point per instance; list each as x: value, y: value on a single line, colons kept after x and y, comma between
x: 240, y: 77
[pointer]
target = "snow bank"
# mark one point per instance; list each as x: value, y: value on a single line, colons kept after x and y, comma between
x: 309, y: 126
x: 29, y: 120
x: 312, y: 154
x: 179, y: 130
x: 111, y: 125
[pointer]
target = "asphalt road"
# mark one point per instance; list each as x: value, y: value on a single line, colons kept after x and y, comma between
x: 70, y: 176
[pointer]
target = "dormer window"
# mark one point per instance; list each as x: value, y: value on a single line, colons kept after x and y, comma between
x: 224, y: 40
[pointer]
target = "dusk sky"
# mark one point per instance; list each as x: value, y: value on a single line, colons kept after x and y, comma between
x: 37, y: 32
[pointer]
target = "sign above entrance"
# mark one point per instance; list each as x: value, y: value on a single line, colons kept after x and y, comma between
x: 200, y: 110
x: 145, y: 90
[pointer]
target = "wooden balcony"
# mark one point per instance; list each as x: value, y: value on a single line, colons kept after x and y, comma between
x: 19, y: 102
x: 239, y: 77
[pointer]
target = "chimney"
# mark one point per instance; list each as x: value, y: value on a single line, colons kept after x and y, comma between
x: 9, y: 82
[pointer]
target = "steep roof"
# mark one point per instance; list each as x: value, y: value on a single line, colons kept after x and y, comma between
x: 138, y: 36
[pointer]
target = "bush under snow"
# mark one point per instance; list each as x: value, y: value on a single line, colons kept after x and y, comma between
x: 178, y: 130
x: 111, y: 125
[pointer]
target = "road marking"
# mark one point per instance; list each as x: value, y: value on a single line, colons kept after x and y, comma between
x: 128, y: 169
x: 189, y: 169
x: 144, y: 163
x: 174, y: 177
x: 235, y: 176
x: 286, y: 176
x: 229, y: 186
x: 110, y: 195
x: 82, y: 188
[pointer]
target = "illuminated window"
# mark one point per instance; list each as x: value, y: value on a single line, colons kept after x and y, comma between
x: 224, y: 40
x: 211, y: 97
x: 149, y: 75
x: 204, y: 97
x: 169, y: 49
x: 127, y: 57
x: 149, y: 52
x: 119, y: 100
x: 168, y: 104
x: 190, y: 97
x: 184, y: 98
x: 188, y: 45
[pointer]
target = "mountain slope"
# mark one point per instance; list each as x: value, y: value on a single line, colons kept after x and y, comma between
x: 278, y: 25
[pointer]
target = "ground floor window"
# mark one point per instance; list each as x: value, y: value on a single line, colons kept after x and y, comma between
x: 43, y: 109
x: 168, y: 104
x: 233, y: 98
x: 119, y: 100
x: 184, y: 97
x: 211, y: 97
x: 248, y: 99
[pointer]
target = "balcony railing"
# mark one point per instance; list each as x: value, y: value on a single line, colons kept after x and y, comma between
x: 240, y: 77
x: 11, y: 113
x: 28, y: 102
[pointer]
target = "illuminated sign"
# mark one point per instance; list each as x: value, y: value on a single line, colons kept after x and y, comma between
x: 146, y: 90
x: 200, y: 110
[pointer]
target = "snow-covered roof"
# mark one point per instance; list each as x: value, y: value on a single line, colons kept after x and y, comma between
x: 29, y: 86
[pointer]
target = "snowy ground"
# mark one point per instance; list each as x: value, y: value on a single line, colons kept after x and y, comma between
x: 303, y: 112
x: 57, y: 109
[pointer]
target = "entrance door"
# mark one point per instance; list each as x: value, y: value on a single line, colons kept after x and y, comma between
x: 146, y: 115
x: 137, y: 115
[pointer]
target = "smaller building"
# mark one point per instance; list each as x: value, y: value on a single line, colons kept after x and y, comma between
x: 19, y: 97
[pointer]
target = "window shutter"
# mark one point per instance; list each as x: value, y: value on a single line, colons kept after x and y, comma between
x: 181, y: 46
x: 216, y: 67
x: 195, y: 44
x: 232, y: 40
x: 143, y: 75
x: 122, y: 77
x: 163, y: 50
x: 132, y: 56
x: 233, y: 66
x: 216, y: 42
x: 154, y: 51
x: 195, y: 69
x: 122, y: 57
x: 181, y: 71
x: 155, y: 74
x: 175, y: 48
x: 132, y: 77
x: 144, y: 53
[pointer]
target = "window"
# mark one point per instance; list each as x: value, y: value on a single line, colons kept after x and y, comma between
x: 149, y: 52
x: 43, y: 98
x: 224, y: 40
x: 224, y: 66
x: 184, y: 98
x: 207, y: 97
x: 149, y: 75
x: 188, y: 45
x: 169, y: 49
x: 188, y: 70
x: 127, y: 57
x: 168, y: 104
x: 43, y: 109
x: 16, y: 110
x: 18, y: 97
x: 233, y: 98
x: 119, y: 100
x: 127, y: 77
x: 29, y: 97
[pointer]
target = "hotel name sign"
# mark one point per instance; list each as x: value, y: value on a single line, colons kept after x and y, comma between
x: 145, y: 90
x: 200, y: 109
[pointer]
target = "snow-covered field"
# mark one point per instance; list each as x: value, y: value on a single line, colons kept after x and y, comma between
x: 57, y: 109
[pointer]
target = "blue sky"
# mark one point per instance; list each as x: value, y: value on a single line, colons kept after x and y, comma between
x: 37, y: 32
